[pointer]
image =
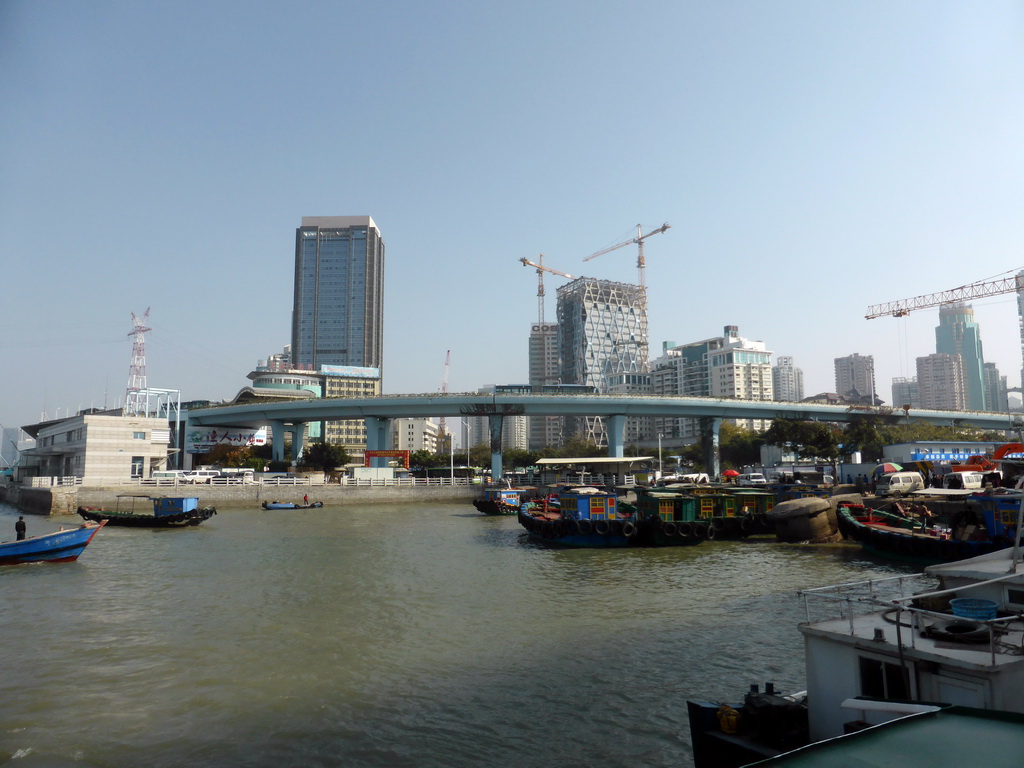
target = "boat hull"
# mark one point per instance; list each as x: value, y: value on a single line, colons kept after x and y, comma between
x: 60, y: 547
x: 290, y: 505
x: 134, y: 520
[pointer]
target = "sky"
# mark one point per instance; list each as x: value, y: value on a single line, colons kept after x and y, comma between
x: 812, y: 159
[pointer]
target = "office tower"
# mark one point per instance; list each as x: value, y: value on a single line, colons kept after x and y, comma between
x: 338, y: 309
x: 787, y: 381
x: 958, y: 334
x: 543, y: 370
x: 602, y: 331
x: 940, y: 382
x: 855, y: 377
x: 904, y: 392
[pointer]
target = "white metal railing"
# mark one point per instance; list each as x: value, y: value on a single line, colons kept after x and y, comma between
x: 891, y: 594
x: 296, y: 480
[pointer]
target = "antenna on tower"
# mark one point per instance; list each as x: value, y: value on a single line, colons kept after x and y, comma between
x: 134, y: 401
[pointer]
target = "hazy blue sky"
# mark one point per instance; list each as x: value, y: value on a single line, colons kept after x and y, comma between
x: 812, y: 158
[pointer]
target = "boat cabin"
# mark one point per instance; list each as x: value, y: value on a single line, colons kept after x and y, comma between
x: 951, y: 635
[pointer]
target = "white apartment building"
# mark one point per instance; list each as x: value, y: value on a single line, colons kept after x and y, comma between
x: 787, y: 381
x: 414, y: 435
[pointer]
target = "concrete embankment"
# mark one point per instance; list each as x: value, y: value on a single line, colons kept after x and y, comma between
x: 65, y: 501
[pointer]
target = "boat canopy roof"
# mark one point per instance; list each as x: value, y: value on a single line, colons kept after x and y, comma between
x: 949, y: 736
x: 594, y: 460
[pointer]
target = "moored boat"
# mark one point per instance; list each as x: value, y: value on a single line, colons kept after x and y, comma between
x: 907, y: 531
x: 500, y: 501
x: 62, y: 546
x: 291, y: 505
x: 162, y: 512
x: 664, y: 516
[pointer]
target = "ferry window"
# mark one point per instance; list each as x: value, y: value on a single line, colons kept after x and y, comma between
x: 882, y: 680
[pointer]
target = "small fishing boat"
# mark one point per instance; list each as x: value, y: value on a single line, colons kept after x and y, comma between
x: 291, y: 505
x: 906, y: 531
x: 61, y: 547
x: 500, y: 501
x: 162, y: 512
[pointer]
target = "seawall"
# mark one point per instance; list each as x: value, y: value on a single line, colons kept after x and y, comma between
x: 65, y: 501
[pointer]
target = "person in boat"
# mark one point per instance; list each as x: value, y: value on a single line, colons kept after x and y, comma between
x: 19, y: 527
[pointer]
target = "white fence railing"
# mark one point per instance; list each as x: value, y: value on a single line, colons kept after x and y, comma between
x: 296, y: 480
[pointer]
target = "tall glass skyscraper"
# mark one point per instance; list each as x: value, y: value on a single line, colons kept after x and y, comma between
x: 338, y: 308
x: 958, y: 334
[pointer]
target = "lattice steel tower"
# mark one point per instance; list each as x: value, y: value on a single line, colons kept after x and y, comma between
x: 134, y: 400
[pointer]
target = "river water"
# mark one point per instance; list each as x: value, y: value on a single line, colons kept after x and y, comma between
x: 388, y: 635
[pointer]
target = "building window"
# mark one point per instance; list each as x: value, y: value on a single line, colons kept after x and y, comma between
x: 882, y: 680
x: 139, y: 435
x: 138, y: 464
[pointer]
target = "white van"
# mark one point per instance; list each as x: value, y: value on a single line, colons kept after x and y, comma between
x: 751, y: 478
x: 968, y: 481
x: 200, y: 476
x: 899, y: 484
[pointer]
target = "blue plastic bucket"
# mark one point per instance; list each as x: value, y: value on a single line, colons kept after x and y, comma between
x: 973, y: 608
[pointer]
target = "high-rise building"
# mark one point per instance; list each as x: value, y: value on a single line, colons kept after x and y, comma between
x: 727, y: 366
x: 940, y: 382
x: 543, y: 369
x: 602, y: 331
x: 855, y: 377
x: 414, y: 435
x: 958, y: 334
x: 904, y: 392
x: 338, y: 309
x: 996, y: 391
x: 787, y: 381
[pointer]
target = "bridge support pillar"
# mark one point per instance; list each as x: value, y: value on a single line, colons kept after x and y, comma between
x: 709, y: 428
x: 378, y: 438
x: 616, y: 426
x: 298, y: 432
x: 277, y: 440
x: 494, y: 424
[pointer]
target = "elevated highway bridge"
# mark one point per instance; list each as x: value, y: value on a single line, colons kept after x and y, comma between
x: 377, y: 412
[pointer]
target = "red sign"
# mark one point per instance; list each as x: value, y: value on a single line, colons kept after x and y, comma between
x: 403, y: 455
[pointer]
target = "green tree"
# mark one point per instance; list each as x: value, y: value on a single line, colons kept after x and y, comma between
x: 325, y: 456
x: 738, y: 447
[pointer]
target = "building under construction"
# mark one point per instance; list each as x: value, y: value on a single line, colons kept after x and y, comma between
x: 602, y: 331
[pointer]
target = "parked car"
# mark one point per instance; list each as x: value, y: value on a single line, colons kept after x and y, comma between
x: 751, y: 478
x: 899, y: 484
x: 200, y: 476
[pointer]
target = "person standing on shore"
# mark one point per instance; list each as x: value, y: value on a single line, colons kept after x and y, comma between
x: 19, y: 527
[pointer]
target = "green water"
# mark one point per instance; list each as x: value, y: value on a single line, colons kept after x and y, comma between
x: 388, y: 635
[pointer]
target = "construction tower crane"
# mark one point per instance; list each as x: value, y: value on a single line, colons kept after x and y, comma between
x: 541, y: 269
x: 977, y: 290
x: 964, y: 293
x: 639, y: 240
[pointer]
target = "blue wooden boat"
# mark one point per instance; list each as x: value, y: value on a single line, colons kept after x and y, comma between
x: 500, y: 501
x: 291, y: 505
x: 61, y: 547
x: 141, y: 511
x: 586, y: 517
